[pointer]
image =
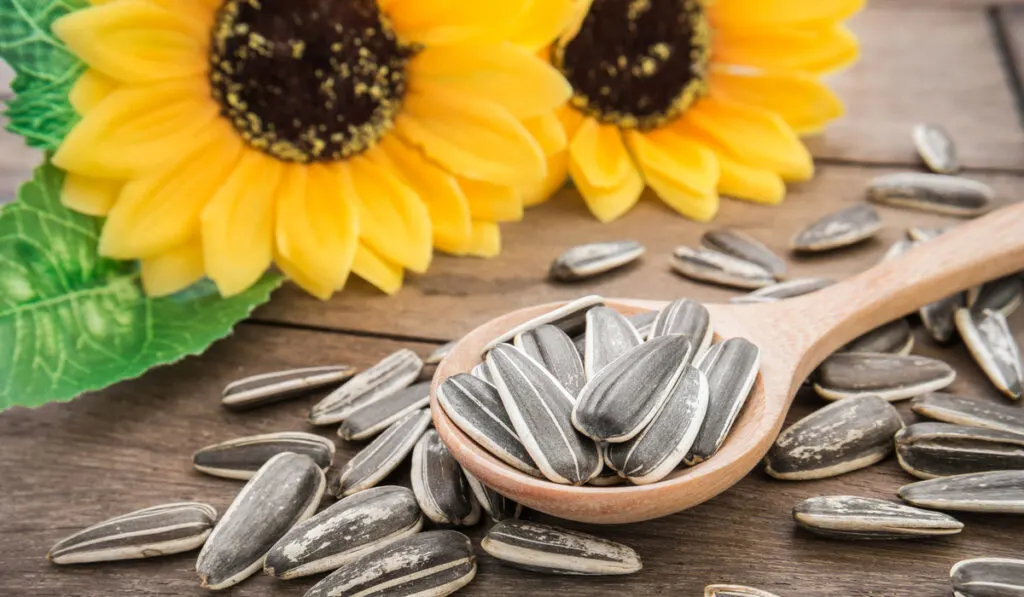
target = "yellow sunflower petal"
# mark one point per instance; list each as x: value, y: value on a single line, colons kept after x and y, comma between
x: 679, y: 197
x: 486, y: 240
x: 805, y: 103
x: 173, y: 270
x: 138, y: 128
x: 377, y: 270
x: 599, y: 154
x: 87, y: 195
x: 491, y: 202
x: 689, y: 165
x: 89, y: 90
x: 548, y: 131
x: 453, y: 21
x: 504, y: 74
x: 296, y: 274
x: 571, y: 120
x: 541, y: 22
x: 238, y: 223
x: 135, y: 41
x: 816, y: 50
x: 750, y: 184
x: 393, y: 221
x: 774, y: 13
x: 558, y: 173
x: 609, y: 203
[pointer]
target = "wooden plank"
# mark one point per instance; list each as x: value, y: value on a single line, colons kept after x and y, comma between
x: 1012, y: 21
x: 65, y: 466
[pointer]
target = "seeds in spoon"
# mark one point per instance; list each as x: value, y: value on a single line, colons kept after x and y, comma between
x: 609, y: 336
x: 850, y: 517
x: 348, y: 529
x: 705, y: 265
x: 553, y: 349
x: 895, y: 337
x: 934, y: 193
x: 441, y: 490
x: 840, y: 229
x: 643, y: 322
x: 967, y: 411
x: 892, y: 377
x: 988, y: 577
x: 686, y: 317
x: 497, y: 506
x: 284, y: 492
x: 784, y: 290
x: 381, y: 456
x: 156, y: 531
x: 587, y: 261
x: 899, y: 249
x: 731, y: 369
x: 375, y: 417
x: 395, y: 372
x: 844, y: 436
x: 266, y: 388
x: 743, y: 246
x: 606, y: 478
x: 543, y: 548
x: 482, y: 373
x: 929, y: 450
x: 1003, y: 294
x: 734, y: 591
x: 571, y: 318
x: 936, y: 148
x: 994, y: 348
x: 999, y: 492
x: 240, y: 458
x: 938, y: 317
x: 439, y: 353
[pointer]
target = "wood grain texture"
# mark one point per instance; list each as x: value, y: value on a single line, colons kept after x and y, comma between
x: 1012, y: 21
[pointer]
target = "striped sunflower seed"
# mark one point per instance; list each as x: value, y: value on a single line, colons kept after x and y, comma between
x: 375, y: 417
x: 743, y: 246
x: 731, y: 369
x: 432, y: 564
x: 553, y: 349
x: 899, y: 249
x: 661, y: 446
x: 440, y: 487
x: 284, y: 492
x: 347, y: 530
x: 934, y: 193
x: 1003, y: 294
x: 988, y: 577
x: 381, y: 456
x: 850, y: 517
x: 929, y: 450
x: 540, y: 411
x: 587, y: 261
x: 156, y: 531
x: 497, y: 506
x: 266, y: 388
x: 240, y: 458
x: 440, y: 353
x: 734, y: 591
x: 840, y: 229
x: 395, y: 372
x: 685, y: 317
x: 476, y: 408
x: 895, y: 337
x: 967, y: 411
x: 606, y: 478
x: 994, y: 348
x: 787, y: 289
x: 482, y: 373
x: 643, y: 322
x: 609, y: 336
x: 893, y: 377
x: 571, y: 318
x: 936, y: 148
x: 625, y: 396
x: 844, y: 436
x: 999, y: 492
x: 923, y: 234
x: 705, y: 265
x: 938, y: 317
x: 543, y: 548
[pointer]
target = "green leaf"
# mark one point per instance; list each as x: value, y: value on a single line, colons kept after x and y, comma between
x: 72, y: 321
x: 45, y: 69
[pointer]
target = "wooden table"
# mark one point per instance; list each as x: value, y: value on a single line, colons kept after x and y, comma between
x: 955, y: 62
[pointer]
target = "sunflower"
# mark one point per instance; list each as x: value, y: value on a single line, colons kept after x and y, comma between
x: 695, y: 98
x: 220, y: 137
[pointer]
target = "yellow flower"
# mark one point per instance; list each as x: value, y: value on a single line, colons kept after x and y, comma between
x: 219, y: 137
x: 695, y: 98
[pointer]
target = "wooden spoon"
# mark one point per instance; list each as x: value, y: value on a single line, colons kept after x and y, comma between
x: 794, y: 336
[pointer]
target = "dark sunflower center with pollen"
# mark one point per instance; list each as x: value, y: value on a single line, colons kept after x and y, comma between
x: 637, y: 63
x: 307, y: 80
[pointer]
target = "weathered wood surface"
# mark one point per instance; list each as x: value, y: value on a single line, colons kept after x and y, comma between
x: 1012, y: 21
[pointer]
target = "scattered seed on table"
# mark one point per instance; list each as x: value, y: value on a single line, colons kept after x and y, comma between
x: 969, y: 411
x: 543, y: 548
x: 687, y: 317
x: 731, y: 369
x: 497, y: 506
x: 367, y: 421
x: 787, y: 289
x: 988, y: 577
x: 587, y: 261
x: 934, y: 193
x: 705, y: 265
x: 923, y: 234
x: 393, y: 373
x: 1004, y: 294
x: 840, y: 229
x: 743, y: 246
x: 734, y: 591
x: 899, y: 249
x: 938, y: 317
x: 381, y: 456
x: 893, y: 377
x: 440, y: 487
x: 439, y: 353
x: 895, y: 337
x: 936, y: 148
x: 240, y: 458
x: 998, y: 492
x: 553, y: 349
x: 929, y: 450
x: 994, y: 348
x: 851, y: 517
x: 609, y: 336
x: 267, y: 388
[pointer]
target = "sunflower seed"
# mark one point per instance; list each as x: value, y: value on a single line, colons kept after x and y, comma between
x: 497, y: 506
x: 609, y: 336
x: 440, y: 353
x: 553, y: 349
x: 643, y: 322
x: 156, y: 531
x: 929, y: 450
x: 747, y: 299
x: 921, y: 234
x: 606, y: 478
x: 587, y: 261
x: 661, y: 446
x: 544, y: 548
x: 850, y: 517
x: 345, y: 531
x: 895, y: 337
x: 241, y: 458
x: 441, y: 490
x: 734, y: 591
x: 1003, y: 295
x: 936, y: 148
x: 938, y: 317
x: 395, y: 372
x: 731, y: 370
x: 965, y: 411
x: 705, y: 265
x: 791, y: 288
x: 432, y: 564
x: 840, y: 229
x: 686, y: 317
x: 1000, y: 492
x: 994, y: 348
x: 482, y: 373
x: 381, y: 456
x: 571, y: 318
x: 375, y: 417
x: 284, y: 492
x: 622, y: 399
x: 540, y: 411
x: 266, y: 388
x: 899, y: 249
x: 844, y: 436
x: 935, y: 193
x: 988, y: 577
x: 743, y: 246
x: 893, y: 377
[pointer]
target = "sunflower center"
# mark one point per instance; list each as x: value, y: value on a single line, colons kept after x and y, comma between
x: 307, y: 80
x: 637, y: 63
